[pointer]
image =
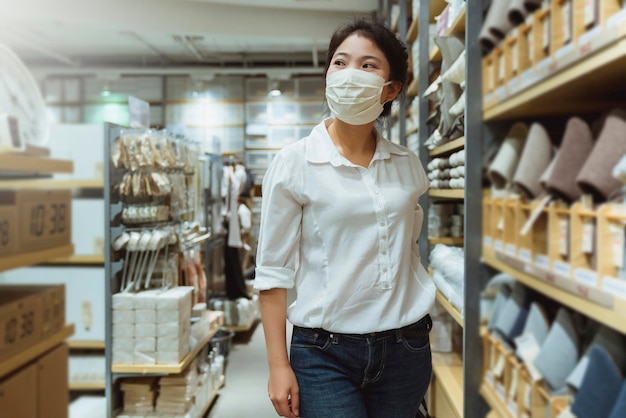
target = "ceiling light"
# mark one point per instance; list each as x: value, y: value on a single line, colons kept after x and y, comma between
x: 275, y: 89
x: 106, y: 92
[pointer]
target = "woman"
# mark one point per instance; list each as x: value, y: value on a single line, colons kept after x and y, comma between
x: 340, y: 222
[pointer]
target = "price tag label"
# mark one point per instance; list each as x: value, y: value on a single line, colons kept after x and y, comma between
x: 45, y: 219
x: 566, y: 21
x: 614, y: 286
x: 586, y: 276
x: 542, y: 261
x: 488, y: 241
x: 499, y: 245
x: 588, y: 237
x: 525, y: 255
x: 561, y: 268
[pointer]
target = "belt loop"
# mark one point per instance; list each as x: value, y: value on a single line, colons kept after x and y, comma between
x: 334, y: 339
x: 398, y: 335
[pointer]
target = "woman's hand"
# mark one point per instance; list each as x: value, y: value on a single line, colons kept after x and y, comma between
x: 283, y: 391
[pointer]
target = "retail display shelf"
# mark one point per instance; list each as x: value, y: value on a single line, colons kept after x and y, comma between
x: 448, y: 368
x: 164, y: 368
x: 35, y: 257
x: 241, y: 328
x: 446, y: 240
x: 28, y: 164
x: 53, y: 184
x: 86, y: 345
x: 447, y: 193
x: 576, y: 296
x: 570, y: 83
x: 79, y: 259
x: 454, y: 312
x: 497, y: 404
x: 411, y: 91
x: 86, y: 386
x: 30, y: 353
x: 451, y: 146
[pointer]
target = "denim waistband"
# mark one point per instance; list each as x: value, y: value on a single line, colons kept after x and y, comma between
x: 418, y: 329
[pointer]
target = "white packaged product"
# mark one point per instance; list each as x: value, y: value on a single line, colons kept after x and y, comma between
x: 127, y: 344
x: 122, y: 301
x: 141, y: 357
x: 123, y: 357
x: 145, y: 316
x: 168, y: 316
x: 122, y: 330
x: 175, y: 299
x: 171, y: 328
x: 177, y: 343
x: 145, y: 344
x: 123, y: 316
x: 147, y: 299
x: 145, y: 330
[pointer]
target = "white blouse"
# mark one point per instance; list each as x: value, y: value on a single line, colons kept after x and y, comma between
x: 345, y: 236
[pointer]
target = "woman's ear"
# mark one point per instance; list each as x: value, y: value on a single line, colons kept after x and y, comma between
x: 391, y: 91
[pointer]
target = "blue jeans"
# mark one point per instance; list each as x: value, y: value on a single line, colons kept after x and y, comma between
x: 378, y: 375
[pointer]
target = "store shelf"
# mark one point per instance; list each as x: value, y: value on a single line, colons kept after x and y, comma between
x: 28, y: 164
x: 447, y: 193
x: 241, y: 328
x: 86, y: 345
x: 458, y: 25
x: 164, y: 368
x: 602, y: 314
x: 451, y: 146
x: 52, y: 184
x: 581, y: 86
x: 79, y: 259
x: 446, y: 240
x: 86, y: 386
x: 454, y: 312
x: 448, y: 368
x: 497, y: 404
x: 34, y: 351
x: 35, y: 257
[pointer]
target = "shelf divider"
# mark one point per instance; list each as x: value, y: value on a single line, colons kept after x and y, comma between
x: 451, y: 146
x: 453, y: 311
x: 447, y: 193
x: 35, y: 257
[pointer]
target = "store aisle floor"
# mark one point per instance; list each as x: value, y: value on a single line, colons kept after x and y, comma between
x: 244, y: 394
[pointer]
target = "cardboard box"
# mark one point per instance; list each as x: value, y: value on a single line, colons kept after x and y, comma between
x: 18, y: 399
x: 8, y: 229
x: 21, y: 320
x: 43, y: 217
x: 52, y: 383
x: 53, y: 305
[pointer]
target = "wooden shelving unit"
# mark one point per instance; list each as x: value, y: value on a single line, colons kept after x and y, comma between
x: 498, y: 407
x: 446, y: 241
x: 78, y: 259
x: 435, y: 54
x: 35, y: 257
x: 447, y: 193
x: 606, y: 316
x: 454, y: 312
x: 27, y: 164
x: 86, y: 345
x: 448, y: 368
x: 53, y: 184
x: 87, y: 386
x: 571, y: 90
x: 242, y: 328
x: 143, y: 369
x: 455, y: 145
x: 458, y: 25
x: 30, y: 353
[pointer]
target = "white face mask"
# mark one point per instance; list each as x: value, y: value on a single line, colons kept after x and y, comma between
x: 354, y: 95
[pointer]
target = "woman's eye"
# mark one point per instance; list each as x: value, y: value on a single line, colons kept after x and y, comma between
x: 338, y: 62
x: 369, y: 65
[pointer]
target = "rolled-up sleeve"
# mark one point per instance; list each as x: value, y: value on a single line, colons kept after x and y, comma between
x: 280, y: 227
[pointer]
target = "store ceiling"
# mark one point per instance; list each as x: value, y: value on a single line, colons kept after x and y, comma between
x: 75, y: 34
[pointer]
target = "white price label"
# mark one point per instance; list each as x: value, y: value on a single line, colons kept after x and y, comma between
x: 587, y: 238
x: 561, y: 268
x: 563, y: 236
x: 586, y: 276
x: 525, y: 255
x: 488, y: 241
x: 617, y: 244
x: 498, y: 245
x: 542, y: 261
x: 511, y: 250
x: 614, y: 286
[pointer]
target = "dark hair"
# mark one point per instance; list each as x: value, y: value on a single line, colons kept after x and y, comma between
x: 394, y: 49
